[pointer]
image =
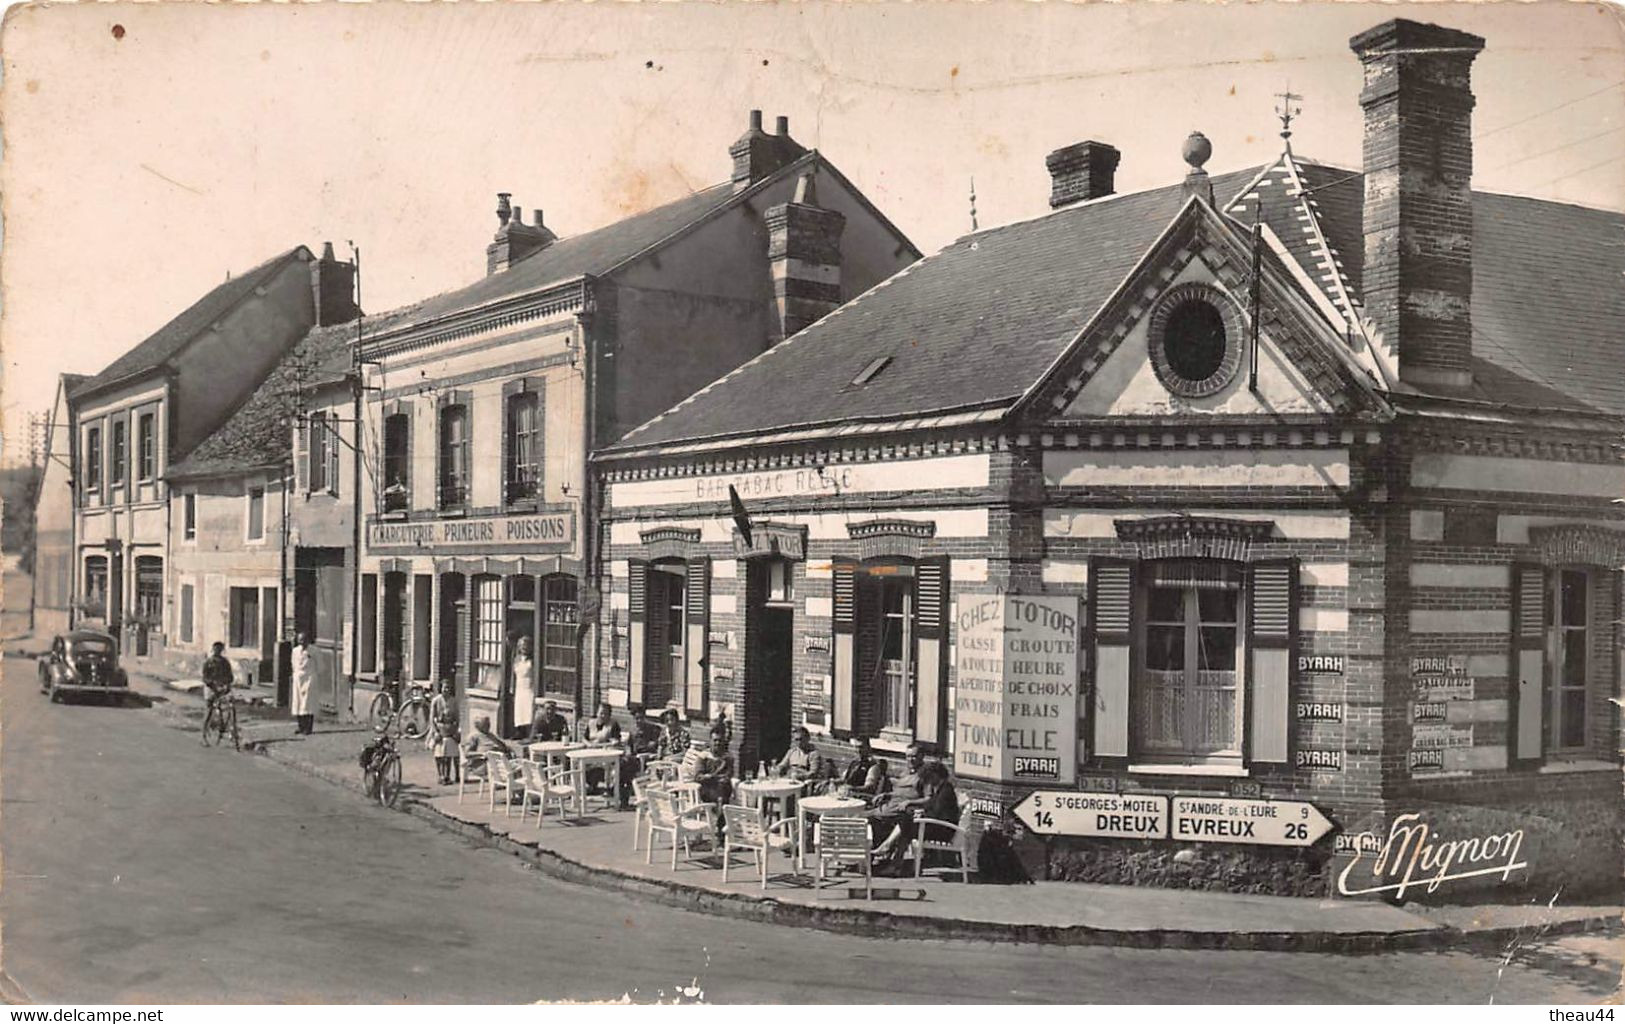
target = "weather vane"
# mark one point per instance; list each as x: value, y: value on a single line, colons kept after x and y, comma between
x: 973, y: 202
x: 1286, y: 110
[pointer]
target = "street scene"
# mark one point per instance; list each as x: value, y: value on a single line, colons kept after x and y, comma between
x: 1170, y: 567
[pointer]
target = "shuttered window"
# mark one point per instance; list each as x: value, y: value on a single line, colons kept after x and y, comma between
x: 1527, y: 724
x: 637, y: 603
x: 890, y: 626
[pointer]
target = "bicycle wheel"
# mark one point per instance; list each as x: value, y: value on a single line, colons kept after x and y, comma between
x: 378, y: 714
x: 209, y: 723
x: 415, y: 720
x: 389, y: 780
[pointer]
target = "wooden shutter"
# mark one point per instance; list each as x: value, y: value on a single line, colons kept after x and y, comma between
x: 637, y: 615
x: 1111, y: 602
x: 696, y: 642
x: 931, y: 624
x: 1527, y: 666
x: 843, y: 646
x: 301, y: 461
x: 1272, y: 633
x: 332, y: 452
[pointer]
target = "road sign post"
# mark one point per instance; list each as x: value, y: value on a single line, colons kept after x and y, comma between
x: 1107, y: 815
x: 1206, y: 819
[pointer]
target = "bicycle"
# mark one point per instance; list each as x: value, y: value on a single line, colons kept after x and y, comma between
x: 221, y: 717
x: 381, y: 770
x: 410, y: 714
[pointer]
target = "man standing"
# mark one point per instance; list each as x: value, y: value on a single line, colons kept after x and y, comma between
x: 304, y: 678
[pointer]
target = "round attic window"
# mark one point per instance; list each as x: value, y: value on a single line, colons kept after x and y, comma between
x: 1195, y: 340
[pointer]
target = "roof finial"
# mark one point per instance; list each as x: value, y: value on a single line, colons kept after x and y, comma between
x: 1286, y: 110
x: 973, y: 202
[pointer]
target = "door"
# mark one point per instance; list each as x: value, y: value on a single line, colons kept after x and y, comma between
x: 268, y: 631
x: 775, y: 681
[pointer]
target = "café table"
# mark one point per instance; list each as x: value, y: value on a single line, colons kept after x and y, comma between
x: 549, y: 752
x: 608, y: 758
x: 819, y: 805
x: 757, y: 792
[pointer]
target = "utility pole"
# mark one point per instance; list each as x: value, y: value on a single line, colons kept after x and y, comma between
x: 357, y: 383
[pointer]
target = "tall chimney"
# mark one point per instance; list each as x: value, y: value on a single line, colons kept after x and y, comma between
x: 332, y: 288
x: 1418, y: 274
x: 1083, y: 170
x: 757, y: 154
x: 804, y: 257
x: 514, y: 239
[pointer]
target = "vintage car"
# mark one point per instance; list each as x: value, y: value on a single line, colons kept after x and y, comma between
x: 83, y: 661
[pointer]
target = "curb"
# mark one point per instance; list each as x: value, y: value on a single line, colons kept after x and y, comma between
x: 880, y: 924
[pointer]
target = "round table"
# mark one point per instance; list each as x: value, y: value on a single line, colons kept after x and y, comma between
x: 609, y: 758
x: 759, y: 791
x: 819, y: 805
x: 549, y: 752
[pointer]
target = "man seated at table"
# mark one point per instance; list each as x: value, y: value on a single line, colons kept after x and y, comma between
x: 548, y: 726
x: 603, y: 731
x: 937, y: 801
x: 866, y: 776
x: 801, y: 762
x: 714, y: 771
x: 482, y: 742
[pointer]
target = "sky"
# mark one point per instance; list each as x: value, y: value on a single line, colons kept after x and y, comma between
x: 151, y: 149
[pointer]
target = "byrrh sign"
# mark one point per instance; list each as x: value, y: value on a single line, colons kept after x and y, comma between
x: 554, y: 531
x: 1016, y: 698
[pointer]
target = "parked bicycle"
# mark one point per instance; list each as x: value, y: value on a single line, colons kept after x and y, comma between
x: 381, y: 770
x: 221, y: 719
x: 409, y: 714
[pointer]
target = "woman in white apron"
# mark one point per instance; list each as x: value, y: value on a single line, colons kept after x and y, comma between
x: 524, y: 685
x: 304, y: 678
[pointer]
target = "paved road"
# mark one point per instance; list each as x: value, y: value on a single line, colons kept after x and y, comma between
x: 139, y: 866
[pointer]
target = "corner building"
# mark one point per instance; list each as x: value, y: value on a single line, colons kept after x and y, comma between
x: 1284, y: 490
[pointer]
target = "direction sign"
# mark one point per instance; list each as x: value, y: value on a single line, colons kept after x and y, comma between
x: 1207, y: 819
x: 1113, y: 815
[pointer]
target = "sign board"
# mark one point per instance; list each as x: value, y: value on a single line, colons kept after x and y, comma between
x: 987, y: 807
x: 554, y: 531
x: 1365, y: 842
x: 772, y: 539
x: 1016, y: 690
x: 1319, y: 760
x: 1444, y: 688
x: 1207, y: 819
x: 1441, y: 737
x: 1320, y: 664
x: 1107, y: 815
x: 1311, y: 711
x: 814, y: 643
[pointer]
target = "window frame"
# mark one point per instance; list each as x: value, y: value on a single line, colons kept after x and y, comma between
x: 487, y: 635
x: 189, y: 516
x: 877, y: 578
x: 522, y: 459
x: 1558, y: 641
x: 249, y: 497
x: 397, y: 464
x: 1192, y: 624
x: 118, y: 454
x: 243, y: 618
x: 97, y: 567
x: 93, y: 459
x: 561, y: 617
x: 146, y: 431
x: 454, y: 489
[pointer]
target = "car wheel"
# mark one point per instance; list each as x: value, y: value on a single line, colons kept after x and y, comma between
x: 56, y: 695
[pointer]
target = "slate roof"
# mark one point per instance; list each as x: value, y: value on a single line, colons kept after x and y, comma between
x: 977, y: 323
x: 256, y: 436
x: 168, y: 341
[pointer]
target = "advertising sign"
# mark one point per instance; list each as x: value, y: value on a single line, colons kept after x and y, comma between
x: 1016, y: 695
x: 532, y: 533
x: 1112, y: 815
x: 1207, y: 819
x: 1320, y: 664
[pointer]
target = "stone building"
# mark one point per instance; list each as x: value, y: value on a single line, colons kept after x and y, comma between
x: 485, y: 402
x: 152, y: 407
x: 55, y: 557
x: 1203, y: 513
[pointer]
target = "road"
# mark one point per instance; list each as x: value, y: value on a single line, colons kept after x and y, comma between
x: 139, y: 866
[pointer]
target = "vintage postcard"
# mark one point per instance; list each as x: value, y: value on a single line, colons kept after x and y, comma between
x: 812, y: 503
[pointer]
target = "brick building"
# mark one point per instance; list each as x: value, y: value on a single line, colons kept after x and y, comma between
x: 152, y: 407
x: 484, y: 403
x: 1286, y: 490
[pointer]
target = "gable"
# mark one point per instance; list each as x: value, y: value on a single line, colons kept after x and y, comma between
x: 1124, y: 365
x: 1130, y: 383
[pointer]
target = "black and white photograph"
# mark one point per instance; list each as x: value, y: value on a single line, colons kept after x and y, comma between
x: 811, y: 503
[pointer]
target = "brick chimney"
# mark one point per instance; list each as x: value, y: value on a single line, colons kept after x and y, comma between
x: 1418, y: 276
x: 332, y: 288
x: 757, y: 154
x: 804, y: 256
x: 514, y: 238
x: 1083, y: 170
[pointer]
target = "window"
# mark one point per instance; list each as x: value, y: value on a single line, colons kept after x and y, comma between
x: 455, y: 462
x: 93, y: 460
x: 369, y: 623
x: 149, y: 591
x: 489, y: 661
x: 120, y: 454
x: 147, y: 446
x: 244, y: 626
x: 886, y: 646
x: 256, y: 513
x: 95, y: 604
x: 189, y: 516
x: 667, y: 583
x: 397, y: 462
x: 1188, y: 701
x: 524, y: 443
x: 322, y: 473
x: 560, y: 615
x: 186, y: 613
x: 1195, y: 340
x: 1570, y: 638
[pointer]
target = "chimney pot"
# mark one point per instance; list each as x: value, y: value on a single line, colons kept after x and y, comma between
x: 538, y: 216
x: 1083, y: 170
x: 755, y: 120
x: 504, y: 207
x: 782, y: 126
x: 327, y: 253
